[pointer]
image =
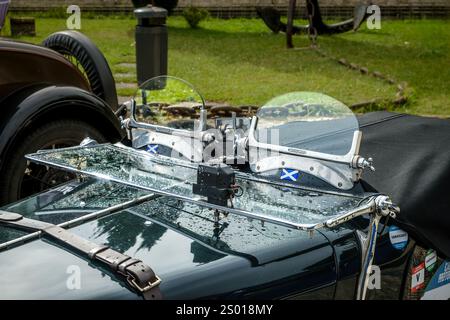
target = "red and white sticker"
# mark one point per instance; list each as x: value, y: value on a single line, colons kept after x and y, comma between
x: 418, y: 277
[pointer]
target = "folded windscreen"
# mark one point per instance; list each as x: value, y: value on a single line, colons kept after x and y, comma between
x: 265, y: 200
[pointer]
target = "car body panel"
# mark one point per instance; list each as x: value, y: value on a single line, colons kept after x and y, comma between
x: 392, y: 262
x: 31, y: 64
x: 29, y: 277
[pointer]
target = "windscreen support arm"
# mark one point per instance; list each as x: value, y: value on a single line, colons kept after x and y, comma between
x: 377, y: 207
x: 138, y: 275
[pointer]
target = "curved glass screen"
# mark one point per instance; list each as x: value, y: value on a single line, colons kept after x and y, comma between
x: 168, y: 101
x: 307, y: 120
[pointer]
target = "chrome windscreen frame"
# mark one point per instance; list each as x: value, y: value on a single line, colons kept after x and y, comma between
x: 190, y: 144
x: 341, y: 171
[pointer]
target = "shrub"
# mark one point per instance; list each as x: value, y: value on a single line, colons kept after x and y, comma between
x: 194, y: 15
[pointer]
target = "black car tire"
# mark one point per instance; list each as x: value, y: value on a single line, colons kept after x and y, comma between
x: 81, y: 51
x: 16, y: 183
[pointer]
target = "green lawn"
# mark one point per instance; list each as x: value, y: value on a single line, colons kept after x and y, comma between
x: 240, y: 61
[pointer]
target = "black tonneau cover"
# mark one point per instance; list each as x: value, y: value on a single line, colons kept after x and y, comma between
x: 412, y: 159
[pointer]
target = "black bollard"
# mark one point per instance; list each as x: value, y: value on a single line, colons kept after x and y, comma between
x: 151, y: 43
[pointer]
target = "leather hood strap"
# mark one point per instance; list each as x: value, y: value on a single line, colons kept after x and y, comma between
x: 137, y: 274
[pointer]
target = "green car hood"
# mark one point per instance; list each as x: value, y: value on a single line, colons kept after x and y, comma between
x: 240, y: 258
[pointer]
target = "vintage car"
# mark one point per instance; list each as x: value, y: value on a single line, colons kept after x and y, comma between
x: 210, y: 202
x: 50, y: 96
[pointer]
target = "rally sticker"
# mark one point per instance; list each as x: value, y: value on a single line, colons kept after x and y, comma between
x: 430, y: 260
x: 439, y: 286
x: 418, y: 277
x: 398, y: 237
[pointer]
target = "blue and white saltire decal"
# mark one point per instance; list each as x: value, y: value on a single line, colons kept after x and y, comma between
x: 152, y: 148
x: 289, y: 174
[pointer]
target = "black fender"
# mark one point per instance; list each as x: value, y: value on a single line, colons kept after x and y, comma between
x: 34, y: 105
